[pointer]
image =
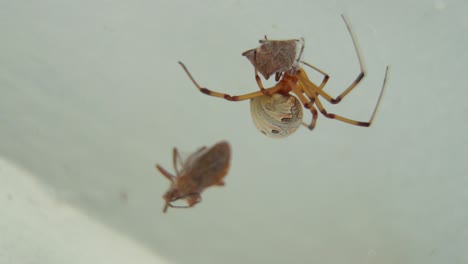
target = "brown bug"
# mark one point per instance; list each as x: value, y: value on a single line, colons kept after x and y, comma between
x: 202, y: 169
x: 275, y: 111
x: 276, y: 56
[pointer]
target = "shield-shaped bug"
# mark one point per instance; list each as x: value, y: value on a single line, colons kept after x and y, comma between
x: 276, y: 56
x: 202, y: 169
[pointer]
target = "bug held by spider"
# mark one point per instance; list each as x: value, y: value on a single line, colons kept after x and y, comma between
x: 202, y: 169
x: 275, y: 110
x: 276, y: 57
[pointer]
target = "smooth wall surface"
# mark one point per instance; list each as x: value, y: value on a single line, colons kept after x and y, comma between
x: 91, y: 97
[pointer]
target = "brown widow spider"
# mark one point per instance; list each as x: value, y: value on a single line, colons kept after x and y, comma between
x: 275, y: 111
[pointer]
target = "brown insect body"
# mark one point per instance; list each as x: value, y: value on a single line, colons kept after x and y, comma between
x: 204, y: 168
x: 276, y: 56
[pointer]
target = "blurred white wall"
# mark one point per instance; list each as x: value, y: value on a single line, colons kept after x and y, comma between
x: 38, y: 228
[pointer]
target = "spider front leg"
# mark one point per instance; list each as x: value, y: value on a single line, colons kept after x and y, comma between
x: 347, y: 120
x: 260, y: 84
x: 257, y: 77
x: 325, y: 75
x: 319, y: 89
x: 227, y: 96
x: 303, y: 76
x: 307, y: 103
x: 314, y: 118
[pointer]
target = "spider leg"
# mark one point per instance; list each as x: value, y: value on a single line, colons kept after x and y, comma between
x: 314, y: 119
x: 361, y: 64
x: 303, y: 76
x: 228, y: 97
x: 325, y: 75
x: 266, y: 91
x: 257, y: 77
x: 307, y: 103
x: 300, y: 52
x: 259, y: 83
x: 347, y: 120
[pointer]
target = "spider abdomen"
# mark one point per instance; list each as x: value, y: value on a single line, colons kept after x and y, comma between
x: 277, y: 115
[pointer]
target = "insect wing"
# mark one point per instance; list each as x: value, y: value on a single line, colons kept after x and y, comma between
x: 184, y: 165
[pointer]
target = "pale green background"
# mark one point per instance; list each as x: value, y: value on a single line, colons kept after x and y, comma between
x: 91, y: 97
